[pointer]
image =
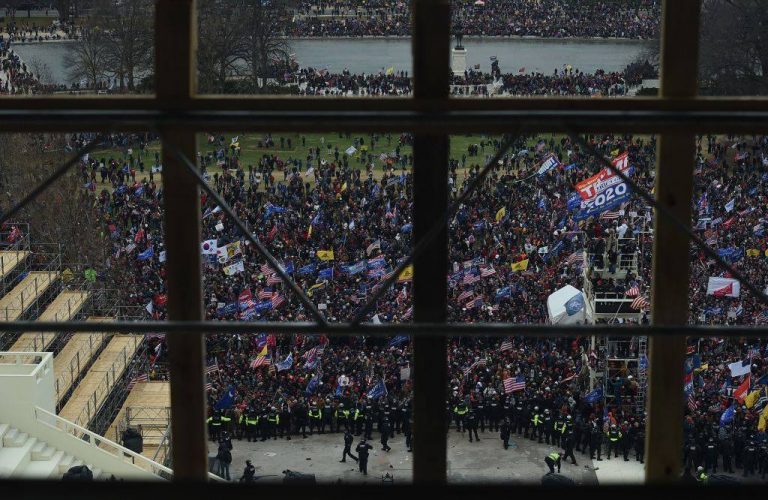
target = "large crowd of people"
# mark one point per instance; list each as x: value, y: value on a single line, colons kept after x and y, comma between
x: 512, y: 243
x: 637, y: 19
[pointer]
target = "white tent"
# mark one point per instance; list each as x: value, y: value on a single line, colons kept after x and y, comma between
x: 556, y: 306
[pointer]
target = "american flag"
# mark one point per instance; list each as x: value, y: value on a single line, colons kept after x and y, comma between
x: 401, y: 297
x: 464, y: 295
x: 266, y: 269
x: 640, y: 303
x: 265, y: 294
x: 487, y: 271
x: 408, y: 313
x: 507, y: 345
x: 609, y: 215
x: 310, y: 354
x: 277, y: 301
x: 470, y: 279
x: 577, y: 256
x: 212, y: 368
x: 261, y: 361
x: 476, y: 364
x: 208, y: 386
x: 513, y: 384
x: 135, y: 380
x: 692, y: 404
x: 476, y: 302
x: 634, y: 291
x: 273, y: 279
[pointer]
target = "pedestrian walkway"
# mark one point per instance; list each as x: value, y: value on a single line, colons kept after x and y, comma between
x: 63, y: 308
x: 617, y: 471
x: 68, y: 365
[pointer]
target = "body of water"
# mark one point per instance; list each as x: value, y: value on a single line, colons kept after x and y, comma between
x: 371, y: 55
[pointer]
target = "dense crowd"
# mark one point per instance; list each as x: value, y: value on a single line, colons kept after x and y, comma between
x: 542, y: 18
x: 513, y: 242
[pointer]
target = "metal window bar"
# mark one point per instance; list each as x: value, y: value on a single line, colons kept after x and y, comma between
x: 177, y: 113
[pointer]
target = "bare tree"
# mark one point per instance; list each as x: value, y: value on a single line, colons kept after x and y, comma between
x: 266, y: 45
x: 734, y: 47
x: 41, y: 70
x: 64, y: 213
x: 87, y: 58
x: 128, y: 36
x: 221, y: 45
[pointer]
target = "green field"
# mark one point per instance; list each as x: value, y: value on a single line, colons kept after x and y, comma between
x: 251, y: 153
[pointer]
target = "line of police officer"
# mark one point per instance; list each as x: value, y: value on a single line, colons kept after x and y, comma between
x: 706, y: 443
x: 283, y: 420
x: 549, y: 427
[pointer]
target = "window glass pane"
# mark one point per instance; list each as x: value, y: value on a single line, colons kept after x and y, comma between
x: 550, y: 237
x: 731, y: 60
x: 304, y: 48
x: 94, y: 48
x: 725, y: 378
x: 339, y: 229
x: 555, y: 48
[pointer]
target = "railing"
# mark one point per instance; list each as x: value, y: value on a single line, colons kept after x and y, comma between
x: 165, y: 447
x: 53, y: 264
x: 41, y: 340
x: 82, y: 357
x: 152, y: 420
x: 101, y: 443
x: 108, y: 382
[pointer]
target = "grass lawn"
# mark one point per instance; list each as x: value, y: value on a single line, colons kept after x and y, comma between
x: 250, y: 152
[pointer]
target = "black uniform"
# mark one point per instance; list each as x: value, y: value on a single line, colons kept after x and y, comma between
x: 471, y: 425
x: 568, y: 442
x: 348, y: 438
x: 385, y: 430
x: 362, y: 452
x: 505, y: 434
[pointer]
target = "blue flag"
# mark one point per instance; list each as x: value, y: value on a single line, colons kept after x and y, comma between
x: 378, y: 390
x: 227, y: 400
x: 355, y: 268
x: 146, y: 254
x: 326, y: 274
x: 285, y: 364
x: 308, y: 269
x: 400, y: 339
x: 273, y: 209
x: 312, y: 385
x: 594, y: 396
x: 727, y: 416
x: 503, y: 292
x: 263, y: 306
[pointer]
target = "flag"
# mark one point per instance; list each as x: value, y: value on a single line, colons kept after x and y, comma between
x: 740, y: 368
x: 521, y: 70
x: 507, y: 345
x: 378, y: 390
x: 503, y: 292
x: 261, y: 361
x: 471, y: 368
x: 577, y: 256
x: 520, y: 266
x: 162, y: 257
x: 470, y: 279
x: 400, y: 339
x: 146, y: 254
x: 326, y: 274
x: 210, y: 369
x: 723, y: 287
x: 325, y: 255
x: 476, y: 302
x: 692, y: 404
x: 209, y: 247
x: 730, y: 205
x: 310, y: 354
x: 640, y: 303
x: 273, y: 279
x: 513, y: 384
x: 501, y: 213
x: 228, y: 252
x: 464, y: 295
x: 486, y: 271
x: 231, y: 270
x: 266, y: 294
x: 313, y: 384
x: 634, y: 291
x: 308, y: 269
x: 285, y: 364
x: 406, y: 275
x: 594, y: 396
x: 610, y: 215
x: 752, y: 398
x: 317, y: 286
x: 763, y: 420
x: 277, y: 300
x: 390, y: 71
x: 727, y: 416
x: 150, y: 307
x: 208, y: 387
x: 227, y: 400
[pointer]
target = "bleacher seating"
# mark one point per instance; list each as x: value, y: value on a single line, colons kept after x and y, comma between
x: 9, y: 259
x: 63, y: 308
x: 68, y: 365
x: 14, y: 303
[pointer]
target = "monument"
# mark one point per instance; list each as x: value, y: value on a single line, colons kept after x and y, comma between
x: 459, y: 53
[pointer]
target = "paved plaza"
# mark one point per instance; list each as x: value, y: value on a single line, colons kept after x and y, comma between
x: 483, y: 461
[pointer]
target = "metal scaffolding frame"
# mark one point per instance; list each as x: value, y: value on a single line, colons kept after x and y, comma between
x: 177, y: 113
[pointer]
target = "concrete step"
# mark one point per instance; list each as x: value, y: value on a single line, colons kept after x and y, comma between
x: 15, y: 458
x: 66, y: 463
x: 37, y: 450
x: 4, y: 428
x: 41, y: 469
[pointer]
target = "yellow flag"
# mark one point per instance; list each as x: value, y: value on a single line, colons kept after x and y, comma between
x: 309, y: 232
x: 615, y: 152
x: 263, y: 351
x: 763, y: 419
x: 391, y: 70
x: 315, y: 287
x: 501, y: 213
x: 325, y: 254
x: 753, y: 252
x: 520, y: 266
x: 751, y: 398
x: 343, y: 187
x: 406, y: 275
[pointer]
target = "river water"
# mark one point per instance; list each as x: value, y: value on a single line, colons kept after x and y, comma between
x: 371, y: 55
